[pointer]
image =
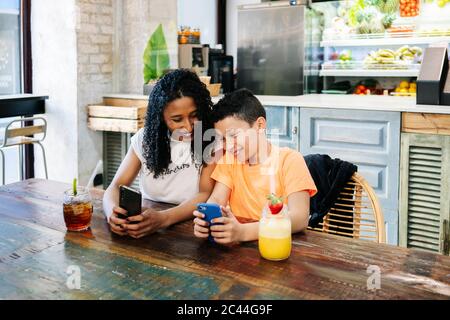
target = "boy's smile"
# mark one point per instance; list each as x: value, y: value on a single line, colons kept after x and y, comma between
x: 242, y: 140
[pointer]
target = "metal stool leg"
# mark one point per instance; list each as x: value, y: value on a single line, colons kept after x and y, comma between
x: 44, y: 158
x: 21, y: 166
x: 3, y: 166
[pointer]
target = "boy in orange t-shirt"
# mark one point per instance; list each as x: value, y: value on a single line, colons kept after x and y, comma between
x: 251, y: 169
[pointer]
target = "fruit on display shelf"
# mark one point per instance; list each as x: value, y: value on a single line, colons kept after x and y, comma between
x: 370, y: 20
x: 409, y: 8
x: 386, y: 6
x: 362, y: 90
x: 340, y: 60
x: 388, y: 20
x: 400, y: 29
x: 345, y: 55
x: 382, y: 56
x: 372, y: 16
x: 399, y: 58
x: 440, y: 3
x: 405, y: 88
x: 368, y: 86
x: 408, y: 53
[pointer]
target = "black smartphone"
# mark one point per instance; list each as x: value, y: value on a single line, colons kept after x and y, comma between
x: 130, y: 200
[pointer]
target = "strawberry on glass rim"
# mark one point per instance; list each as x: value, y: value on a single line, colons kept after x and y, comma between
x: 275, y: 203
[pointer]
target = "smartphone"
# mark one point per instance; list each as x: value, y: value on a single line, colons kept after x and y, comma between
x: 211, y: 211
x: 130, y: 200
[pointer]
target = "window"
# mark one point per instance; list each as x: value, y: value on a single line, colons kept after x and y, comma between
x: 10, y: 47
x: 11, y: 74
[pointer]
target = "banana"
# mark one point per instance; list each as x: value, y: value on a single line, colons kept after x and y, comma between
x: 416, y: 50
x: 403, y: 48
x: 386, y: 52
x: 388, y: 56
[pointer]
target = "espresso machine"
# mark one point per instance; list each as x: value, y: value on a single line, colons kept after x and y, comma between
x: 221, y: 69
x: 195, y: 57
x: 206, y: 61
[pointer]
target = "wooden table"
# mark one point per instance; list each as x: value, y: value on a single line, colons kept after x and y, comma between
x: 36, y: 252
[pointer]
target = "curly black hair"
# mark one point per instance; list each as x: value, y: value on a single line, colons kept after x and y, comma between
x: 241, y: 104
x: 156, y: 142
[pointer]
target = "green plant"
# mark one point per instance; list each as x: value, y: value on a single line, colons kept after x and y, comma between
x: 156, y: 56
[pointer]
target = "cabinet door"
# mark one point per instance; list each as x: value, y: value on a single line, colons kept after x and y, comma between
x: 370, y: 140
x: 115, y: 148
x: 424, y: 192
x: 282, y: 126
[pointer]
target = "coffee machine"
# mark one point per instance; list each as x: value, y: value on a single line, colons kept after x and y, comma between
x: 195, y: 57
x: 221, y: 69
x: 206, y: 61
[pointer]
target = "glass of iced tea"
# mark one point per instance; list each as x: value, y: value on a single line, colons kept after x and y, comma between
x: 77, y: 209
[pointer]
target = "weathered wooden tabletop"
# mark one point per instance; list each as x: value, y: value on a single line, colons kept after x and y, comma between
x: 36, y: 252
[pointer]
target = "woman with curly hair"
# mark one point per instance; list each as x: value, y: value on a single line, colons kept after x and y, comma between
x: 163, y: 153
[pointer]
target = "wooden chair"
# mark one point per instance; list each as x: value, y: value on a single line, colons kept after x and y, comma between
x: 356, y: 213
x: 23, y: 135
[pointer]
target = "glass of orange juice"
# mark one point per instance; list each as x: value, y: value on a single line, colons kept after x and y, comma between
x: 275, y: 235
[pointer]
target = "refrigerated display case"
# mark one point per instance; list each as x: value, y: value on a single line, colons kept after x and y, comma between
x: 379, y: 41
x: 278, y: 48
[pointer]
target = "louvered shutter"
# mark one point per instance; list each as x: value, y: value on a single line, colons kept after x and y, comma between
x: 424, y: 206
x: 115, y: 148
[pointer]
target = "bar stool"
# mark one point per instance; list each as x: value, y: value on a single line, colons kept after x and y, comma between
x: 18, y: 136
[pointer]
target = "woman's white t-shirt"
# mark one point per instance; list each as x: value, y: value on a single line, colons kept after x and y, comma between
x: 180, y: 183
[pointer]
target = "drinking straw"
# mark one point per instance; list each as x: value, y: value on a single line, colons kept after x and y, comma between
x: 272, y: 182
x: 74, y: 186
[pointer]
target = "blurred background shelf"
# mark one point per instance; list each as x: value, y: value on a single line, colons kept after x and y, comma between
x: 368, y: 73
x: 367, y: 41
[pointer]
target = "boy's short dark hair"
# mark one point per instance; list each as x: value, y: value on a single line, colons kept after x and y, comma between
x: 241, y: 104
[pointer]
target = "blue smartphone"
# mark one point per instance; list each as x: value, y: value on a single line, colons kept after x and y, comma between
x: 211, y: 211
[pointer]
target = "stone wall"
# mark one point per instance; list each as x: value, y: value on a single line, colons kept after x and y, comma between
x: 95, y: 27
x: 83, y: 49
x: 135, y: 22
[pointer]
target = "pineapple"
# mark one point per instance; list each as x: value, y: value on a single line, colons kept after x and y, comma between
x: 376, y: 26
x: 391, y: 6
x: 364, y: 27
x: 376, y: 3
x: 388, y: 20
x: 360, y: 16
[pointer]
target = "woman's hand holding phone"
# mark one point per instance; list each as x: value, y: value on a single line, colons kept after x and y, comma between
x: 145, y: 223
x: 116, y: 222
x: 129, y: 218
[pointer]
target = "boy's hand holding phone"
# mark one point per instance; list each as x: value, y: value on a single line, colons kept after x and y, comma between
x: 201, y: 227
x: 205, y: 213
x: 224, y: 230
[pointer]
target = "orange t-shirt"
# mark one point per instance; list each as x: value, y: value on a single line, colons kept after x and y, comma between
x: 285, y: 171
